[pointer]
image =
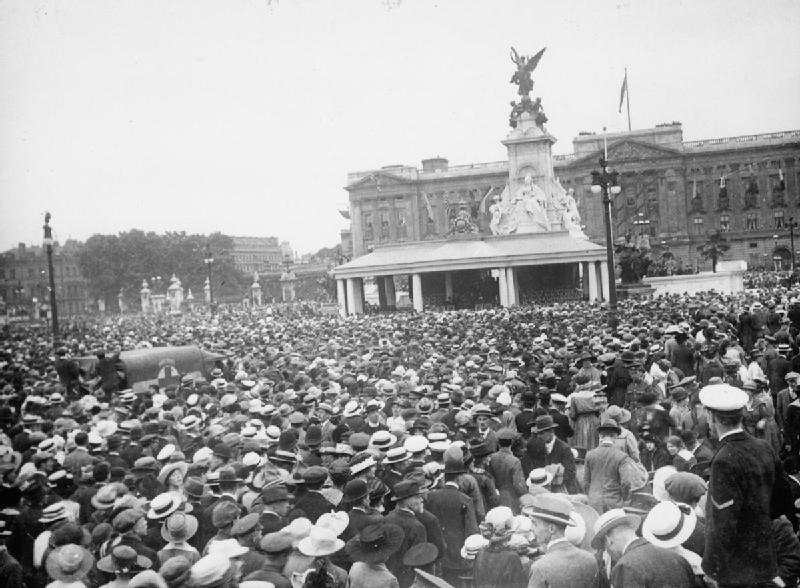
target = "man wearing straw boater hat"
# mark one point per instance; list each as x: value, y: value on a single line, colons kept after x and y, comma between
x: 563, y: 565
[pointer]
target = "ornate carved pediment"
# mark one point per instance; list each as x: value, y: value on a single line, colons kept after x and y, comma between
x: 378, y: 180
x: 631, y: 150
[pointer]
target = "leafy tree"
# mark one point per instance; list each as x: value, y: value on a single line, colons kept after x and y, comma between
x: 715, y: 247
x: 633, y: 261
x: 114, y: 263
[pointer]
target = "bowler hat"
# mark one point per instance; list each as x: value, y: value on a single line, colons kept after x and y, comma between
x: 375, y: 543
x: 544, y: 423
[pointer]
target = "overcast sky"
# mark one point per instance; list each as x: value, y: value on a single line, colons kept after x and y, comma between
x: 244, y: 116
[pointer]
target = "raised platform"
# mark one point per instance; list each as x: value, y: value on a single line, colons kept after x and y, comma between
x: 724, y: 282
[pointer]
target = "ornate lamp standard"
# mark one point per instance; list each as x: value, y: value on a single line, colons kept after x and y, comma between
x: 792, y: 227
x: 48, y: 244
x: 605, y: 182
x: 208, y: 260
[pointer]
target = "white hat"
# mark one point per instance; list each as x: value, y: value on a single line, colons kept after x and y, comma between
x: 416, y: 444
x: 539, y: 477
x: 472, y: 545
x: 202, y: 454
x: 229, y: 548
x: 723, y: 398
x: 669, y: 524
x: 166, y: 452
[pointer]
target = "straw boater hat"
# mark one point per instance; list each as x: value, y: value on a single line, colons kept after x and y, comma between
x: 69, y: 563
x: 166, y: 471
x: 669, y: 524
x: 611, y: 519
x: 551, y: 508
x: 164, y: 505
x: 375, y: 543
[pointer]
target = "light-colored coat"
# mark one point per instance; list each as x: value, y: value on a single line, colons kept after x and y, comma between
x: 563, y: 566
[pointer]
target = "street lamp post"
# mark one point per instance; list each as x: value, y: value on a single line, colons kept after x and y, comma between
x: 48, y: 243
x: 208, y: 260
x: 605, y: 182
x: 792, y: 227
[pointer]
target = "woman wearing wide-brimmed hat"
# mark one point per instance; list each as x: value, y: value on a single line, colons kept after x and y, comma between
x: 69, y: 566
x: 124, y: 563
x: 172, y: 475
x: 321, y: 543
x: 498, y: 565
x: 369, y: 550
x: 176, y: 531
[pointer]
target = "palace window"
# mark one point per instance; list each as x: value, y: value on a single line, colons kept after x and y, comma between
x: 724, y: 223
x: 751, y: 222
x: 698, y: 224
x: 780, y: 222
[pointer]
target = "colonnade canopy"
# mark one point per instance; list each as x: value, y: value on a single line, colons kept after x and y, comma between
x: 485, y: 252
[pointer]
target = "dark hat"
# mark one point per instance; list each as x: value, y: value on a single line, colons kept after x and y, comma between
x: 278, y: 493
x: 685, y: 487
x: 375, y: 543
x: 406, y: 489
x: 354, y: 491
x: 175, y: 571
x: 640, y: 503
x: 544, y: 423
x: 420, y: 554
x: 478, y: 448
x: 507, y: 434
x: 609, y: 425
x: 123, y: 559
x: 246, y: 524
x: 194, y: 487
x: 224, y: 514
x: 222, y: 450
x: 228, y: 475
x: 313, y: 435
x: 315, y: 475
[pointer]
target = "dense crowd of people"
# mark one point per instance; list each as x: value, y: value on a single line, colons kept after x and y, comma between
x: 524, y: 447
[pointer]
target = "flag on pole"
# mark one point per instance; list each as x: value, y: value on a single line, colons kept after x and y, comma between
x: 623, y: 90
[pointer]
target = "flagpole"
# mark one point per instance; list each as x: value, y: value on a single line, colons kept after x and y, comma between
x: 628, y: 98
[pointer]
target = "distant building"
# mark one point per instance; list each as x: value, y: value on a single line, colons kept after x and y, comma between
x: 674, y: 191
x: 257, y: 254
x: 24, y: 280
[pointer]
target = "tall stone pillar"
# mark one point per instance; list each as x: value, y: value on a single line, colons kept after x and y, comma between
x: 391, y: 295
x: 416, y: 289
x: 351, y: 296
x: 590, y: 278
x: 502, y: 286
x: 604, y: 279
x: 448, y: 286
x: 341, y: 297
x: 511, y: 281
x: 358, y: 295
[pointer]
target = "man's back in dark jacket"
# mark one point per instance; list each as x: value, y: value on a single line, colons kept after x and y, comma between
x: 739, y: 542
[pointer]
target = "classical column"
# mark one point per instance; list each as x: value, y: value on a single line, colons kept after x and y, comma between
x: 511, y: 282
x: 416, y: 289
x: 448, y: 286
x: 351, y: 296
x: 341, y: 297
x: 358, y: 295
x: 590, y: 277
x: 381, y: 293
x: 391, y: 296
x: 604, y: 279
x: 502, y: 285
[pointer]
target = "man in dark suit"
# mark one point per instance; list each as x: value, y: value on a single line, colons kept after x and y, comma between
x: 544, y: 449
x: 638, y: 563
x: 456, y: 514
x: 609, y: 471
x: 313, y: 504
x: 742, y: 496
x: 407, y: 496
x: 507, y: 471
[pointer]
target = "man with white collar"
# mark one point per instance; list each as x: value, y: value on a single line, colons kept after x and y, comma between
x: 563, y: 565
x: 745, y: 492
